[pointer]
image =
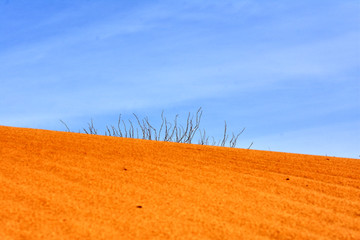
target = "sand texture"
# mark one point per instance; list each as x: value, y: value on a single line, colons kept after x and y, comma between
x: 59, y: 185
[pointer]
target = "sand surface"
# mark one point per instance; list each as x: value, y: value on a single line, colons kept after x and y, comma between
x: 58, y: 185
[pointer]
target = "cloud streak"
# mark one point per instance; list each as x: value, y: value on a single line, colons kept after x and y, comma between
x: 262, y: 62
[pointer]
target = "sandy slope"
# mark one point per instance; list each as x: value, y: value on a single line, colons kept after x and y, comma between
x: 57, y: 185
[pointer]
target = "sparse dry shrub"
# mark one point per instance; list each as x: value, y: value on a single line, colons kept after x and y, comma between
x: 168, y: 132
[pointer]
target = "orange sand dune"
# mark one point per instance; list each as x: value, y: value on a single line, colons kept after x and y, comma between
x: 58, y: 185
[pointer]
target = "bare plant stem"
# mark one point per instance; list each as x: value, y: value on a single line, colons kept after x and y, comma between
x: 68, y: 129
x: 168, y: 132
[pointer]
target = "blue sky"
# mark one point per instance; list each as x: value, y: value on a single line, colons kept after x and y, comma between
x: 288, y: 71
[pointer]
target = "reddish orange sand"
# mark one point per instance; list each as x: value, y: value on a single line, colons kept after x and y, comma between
x: 58, y: 185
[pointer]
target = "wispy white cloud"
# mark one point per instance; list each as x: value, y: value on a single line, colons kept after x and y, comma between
x: 270, y: 61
